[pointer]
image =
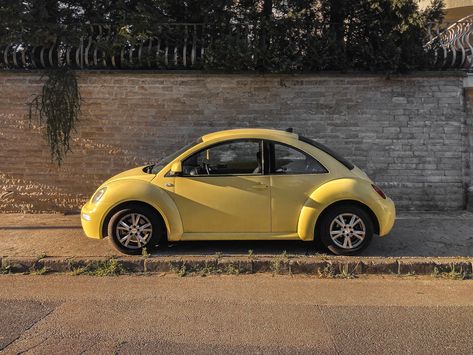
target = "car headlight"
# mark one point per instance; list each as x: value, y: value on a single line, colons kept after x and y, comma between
x: 98, y: 195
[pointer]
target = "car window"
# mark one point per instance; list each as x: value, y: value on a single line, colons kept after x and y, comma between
x: 156, y: 168
x: 231, y: 158
x: 288, y: 160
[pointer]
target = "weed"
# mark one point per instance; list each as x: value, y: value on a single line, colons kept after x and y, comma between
x: 208, y: 269
x: 42, y: 255
x: 218, y: 255
x: 38, y: 271
x: 250, y: 254
x: 328, y: 272
x: 452, y: 274
x: 277, y: 263
x: 231, y: 269
x: 4, y: 269
x: 144, y: 253
x: 109, y: 267
x: 75, y: 268
x: 182, y: 271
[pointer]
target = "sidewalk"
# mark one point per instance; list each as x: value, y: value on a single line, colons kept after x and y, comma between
x: 420, y: 244
x: 414, y: 234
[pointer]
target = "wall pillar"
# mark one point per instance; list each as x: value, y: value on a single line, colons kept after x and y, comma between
x: 468, y: 140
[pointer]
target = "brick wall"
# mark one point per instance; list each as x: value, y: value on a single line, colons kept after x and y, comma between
x: 407, y: 132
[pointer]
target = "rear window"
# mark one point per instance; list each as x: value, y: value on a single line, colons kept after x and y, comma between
x: 327, y: 150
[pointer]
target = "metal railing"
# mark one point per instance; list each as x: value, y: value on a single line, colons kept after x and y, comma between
x: 173, y: 46
x: 183, y: 46
x: 452, y: 43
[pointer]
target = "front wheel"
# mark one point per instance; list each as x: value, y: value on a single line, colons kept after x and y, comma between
x: 346, y: 230
x: 135, y: 228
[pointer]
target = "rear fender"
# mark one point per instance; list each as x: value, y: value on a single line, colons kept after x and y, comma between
x: 327, y: 194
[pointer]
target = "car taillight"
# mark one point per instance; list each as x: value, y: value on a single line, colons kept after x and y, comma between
x: 379, y: 191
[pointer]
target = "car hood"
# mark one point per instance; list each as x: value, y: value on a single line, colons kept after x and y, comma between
x: 135, y: 173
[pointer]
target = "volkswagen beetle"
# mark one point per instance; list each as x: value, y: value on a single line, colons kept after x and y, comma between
x: 242, y: 184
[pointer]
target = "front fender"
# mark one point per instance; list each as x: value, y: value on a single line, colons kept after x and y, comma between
x: 121, y: 191
x: 329, y: 193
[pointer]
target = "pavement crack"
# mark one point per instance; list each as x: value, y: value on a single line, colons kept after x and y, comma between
x: 26, y: 330
x: 327, y: 328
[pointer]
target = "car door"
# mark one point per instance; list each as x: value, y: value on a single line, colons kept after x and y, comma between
x: 294, y: 175
x: 223, y: 189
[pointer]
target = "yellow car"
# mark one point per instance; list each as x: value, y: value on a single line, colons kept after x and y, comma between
x: 242, y: 184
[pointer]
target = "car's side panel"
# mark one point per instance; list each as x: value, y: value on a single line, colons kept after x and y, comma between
x: 223, y: 204
x: 289, y: 194
x: 122, y: 191
x: 334, y: 191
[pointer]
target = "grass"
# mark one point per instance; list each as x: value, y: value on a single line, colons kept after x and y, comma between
x: 109, y: 267
x: 231, y: 269
x: 4, y: 269
x: 38, y: 271
x: 208, y: 268
x: 343, y: 272
x: 277, y: 263
x: 452, y: 274
x: 75, y: 268
x: 41, y: 256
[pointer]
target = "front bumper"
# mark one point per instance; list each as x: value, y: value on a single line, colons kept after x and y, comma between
x: 91, y: 221
x: 386, y: 216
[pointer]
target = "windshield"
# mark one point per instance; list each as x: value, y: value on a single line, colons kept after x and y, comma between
x: 156, y: 168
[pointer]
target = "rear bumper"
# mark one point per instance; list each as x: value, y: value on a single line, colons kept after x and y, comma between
x: 386, y: 216
x: 91, y: 221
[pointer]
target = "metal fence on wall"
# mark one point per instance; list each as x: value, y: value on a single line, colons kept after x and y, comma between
x: 452, y: 43
x: 183, y: 46
x: 174, y: 46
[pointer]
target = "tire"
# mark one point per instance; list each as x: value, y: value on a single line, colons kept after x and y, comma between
x: 134, y: 228
x: 340, y: 236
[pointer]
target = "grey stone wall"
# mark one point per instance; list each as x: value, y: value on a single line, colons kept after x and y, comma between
x: 407, y: 132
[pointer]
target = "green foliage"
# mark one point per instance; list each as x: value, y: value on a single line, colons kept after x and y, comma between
x: 307, y: 35
x: 57, y: 108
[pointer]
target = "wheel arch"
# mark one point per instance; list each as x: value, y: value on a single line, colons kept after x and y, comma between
x: 128, y: 191
x: 333, y: 193
x: 348, y: 202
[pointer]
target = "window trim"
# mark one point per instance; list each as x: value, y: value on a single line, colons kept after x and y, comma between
x: 272, y: 160
x: 263, y: 156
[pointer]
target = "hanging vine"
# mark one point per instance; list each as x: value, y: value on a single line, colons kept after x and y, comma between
x: 57, y: 109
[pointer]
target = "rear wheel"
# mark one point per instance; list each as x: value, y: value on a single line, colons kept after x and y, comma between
x: 134, y: 228
x: 346, y: 230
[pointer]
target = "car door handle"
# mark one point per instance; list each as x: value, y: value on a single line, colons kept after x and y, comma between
x: 260, y: 187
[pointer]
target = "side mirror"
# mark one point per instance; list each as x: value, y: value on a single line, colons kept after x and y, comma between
x: 176, y: 168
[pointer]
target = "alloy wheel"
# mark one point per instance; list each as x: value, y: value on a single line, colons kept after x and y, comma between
x: 134, y: 230
x: 347, y: 231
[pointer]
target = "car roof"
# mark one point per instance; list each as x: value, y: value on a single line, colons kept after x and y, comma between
x: 249, y: 133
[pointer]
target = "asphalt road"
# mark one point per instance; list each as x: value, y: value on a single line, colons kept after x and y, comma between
x: 234, y: 314
x: 414, y: 234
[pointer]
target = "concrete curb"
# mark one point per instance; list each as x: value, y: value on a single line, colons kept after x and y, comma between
x: 320, y: 265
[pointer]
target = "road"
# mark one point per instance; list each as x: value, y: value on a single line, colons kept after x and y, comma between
x: 414, y: 234
x: 234, y: 314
